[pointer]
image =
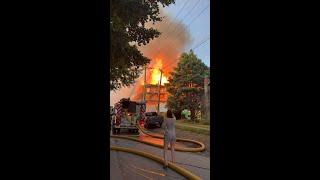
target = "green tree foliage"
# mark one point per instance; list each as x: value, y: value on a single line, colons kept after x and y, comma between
x: 186, y: 84
x: 128, y: 19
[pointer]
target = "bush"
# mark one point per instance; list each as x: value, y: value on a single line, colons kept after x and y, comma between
x: 177, y: 114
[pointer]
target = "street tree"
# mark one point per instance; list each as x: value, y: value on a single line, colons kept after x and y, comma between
x: 127, y: 31
x: 186, y: 84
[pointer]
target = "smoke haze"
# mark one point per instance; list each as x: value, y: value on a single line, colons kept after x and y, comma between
x: 167, y: 47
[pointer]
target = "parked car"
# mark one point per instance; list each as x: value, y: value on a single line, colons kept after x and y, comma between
x: 153, y: 119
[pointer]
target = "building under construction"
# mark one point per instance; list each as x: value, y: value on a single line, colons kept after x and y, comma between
x: 152, y: 97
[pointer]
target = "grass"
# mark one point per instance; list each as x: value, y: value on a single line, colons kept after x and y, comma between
x: 192, y: 129
x: 203, y: 127
x: 205, y: 122
x: 201, y: 123
x: 187, y: 126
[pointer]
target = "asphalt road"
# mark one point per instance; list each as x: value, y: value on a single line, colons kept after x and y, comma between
x: 126, y: 166
x: 205, y: 139
x: 129, y: 166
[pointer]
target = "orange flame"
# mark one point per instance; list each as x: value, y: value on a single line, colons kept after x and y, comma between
x: 156, y: 73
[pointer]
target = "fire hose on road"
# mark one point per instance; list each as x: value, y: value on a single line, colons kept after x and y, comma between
x: 174, y: 167
x: 180, y: 170
x: 196, y: 149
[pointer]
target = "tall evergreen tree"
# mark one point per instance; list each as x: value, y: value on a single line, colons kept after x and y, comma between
x: 186, y: 84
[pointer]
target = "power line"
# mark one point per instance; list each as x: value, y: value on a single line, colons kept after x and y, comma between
x: 186, y: 2
x: 199, y: 13
x: 195, y: 47
x: 201, y: 43
x: 204, y: 46
x: 168, y: 27
x: 188, y: 14
x: 197, y: 16
x: 165, y: 37
x: 170, y: 44
x: 194, y: 9
x: 191, y: 48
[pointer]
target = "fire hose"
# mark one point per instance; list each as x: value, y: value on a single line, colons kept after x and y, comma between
x: 183, y: 149
x: 174, y: 167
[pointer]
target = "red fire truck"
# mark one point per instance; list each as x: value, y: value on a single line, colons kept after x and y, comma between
x: 126, y: 116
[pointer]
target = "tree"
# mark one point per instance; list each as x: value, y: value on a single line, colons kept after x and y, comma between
x: 186, y: 84
x: 127, y: 25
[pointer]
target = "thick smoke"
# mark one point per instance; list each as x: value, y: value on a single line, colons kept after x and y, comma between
x: 168, y: 47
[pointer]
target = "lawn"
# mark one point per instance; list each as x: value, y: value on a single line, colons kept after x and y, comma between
x: 193, y: 127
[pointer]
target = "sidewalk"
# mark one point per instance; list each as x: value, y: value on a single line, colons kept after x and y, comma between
x: 193, y: 162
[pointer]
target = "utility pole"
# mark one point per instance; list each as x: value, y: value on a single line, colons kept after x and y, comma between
x: 145, y: 84
x: 159, y: 86
x: 206, y: 99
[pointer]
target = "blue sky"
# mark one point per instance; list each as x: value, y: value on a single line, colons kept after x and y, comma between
x: 199, y: 30
x: 199, y: 27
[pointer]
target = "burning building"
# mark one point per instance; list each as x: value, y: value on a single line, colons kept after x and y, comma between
x: 152, y: 97
x: 164, y: 53
x: 152, y: 93
x: 155, y: 93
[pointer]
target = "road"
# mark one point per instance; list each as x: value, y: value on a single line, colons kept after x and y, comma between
x: 205, y: 139
x: 128, y: 166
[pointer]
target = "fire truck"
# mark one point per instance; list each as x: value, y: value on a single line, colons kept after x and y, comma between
x: 127, y: 114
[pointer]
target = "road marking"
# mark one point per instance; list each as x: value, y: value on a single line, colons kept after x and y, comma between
x: 147, y: 177
x: 184, y: 172
x: 193, y: 166
x: 149, y: 171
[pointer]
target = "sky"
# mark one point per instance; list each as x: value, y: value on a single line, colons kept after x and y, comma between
x: 194, y: 14
x: 199, y: 27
